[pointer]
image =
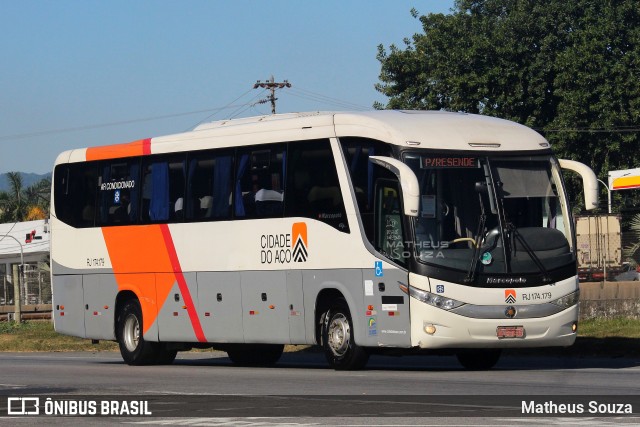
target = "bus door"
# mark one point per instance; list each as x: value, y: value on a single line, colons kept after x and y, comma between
x: 387, y: 306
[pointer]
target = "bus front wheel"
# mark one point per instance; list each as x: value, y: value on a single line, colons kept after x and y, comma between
x: 133, y: 347
x: 340, y: 348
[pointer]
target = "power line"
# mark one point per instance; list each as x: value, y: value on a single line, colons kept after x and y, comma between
x: 247, y: 106
x: 270, y: 86
x: 323, y: 99
x: 110, y: 124
x: 222, y: 108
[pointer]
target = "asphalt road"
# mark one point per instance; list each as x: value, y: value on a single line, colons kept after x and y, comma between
x: 380, y: 395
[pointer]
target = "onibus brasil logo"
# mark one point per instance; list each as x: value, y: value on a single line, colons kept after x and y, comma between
x: 285, y: 247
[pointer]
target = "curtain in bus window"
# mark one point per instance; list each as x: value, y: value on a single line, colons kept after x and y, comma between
x: 242, y: 165
x: 221, y: 186
x: 159, y: 206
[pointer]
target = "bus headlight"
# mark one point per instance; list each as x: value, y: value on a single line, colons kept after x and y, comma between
x: 433, y: 299
x: 568, y: 300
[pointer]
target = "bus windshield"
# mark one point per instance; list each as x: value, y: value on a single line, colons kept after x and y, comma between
x: 491, y: 215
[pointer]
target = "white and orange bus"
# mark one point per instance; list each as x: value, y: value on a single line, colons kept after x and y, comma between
x: 368, y: 232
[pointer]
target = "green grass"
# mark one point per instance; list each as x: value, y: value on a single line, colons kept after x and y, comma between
x: 596, y: 337
x: 621, y: 327
x: 40, y: 336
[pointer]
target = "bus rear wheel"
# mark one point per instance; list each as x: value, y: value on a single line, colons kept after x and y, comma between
x: 478, y: 360
x: 255, y: 354
x: 340, y: 348
x: 133, y: 347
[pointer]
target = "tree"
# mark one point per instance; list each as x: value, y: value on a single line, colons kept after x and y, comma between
x: 13, y: 202
x: 569, y: 69
x: 19, y: 203
x: 631, y: 253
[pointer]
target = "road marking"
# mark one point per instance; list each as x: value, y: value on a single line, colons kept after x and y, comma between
x: 216, y: 422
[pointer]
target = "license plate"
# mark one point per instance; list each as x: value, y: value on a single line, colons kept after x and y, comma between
x: 510, y: 331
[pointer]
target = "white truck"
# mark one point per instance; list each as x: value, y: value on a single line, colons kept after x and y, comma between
x: 599, y: 247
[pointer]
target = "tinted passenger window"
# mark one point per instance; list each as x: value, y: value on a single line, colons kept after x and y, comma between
x: 163, y: 189
x: 259, y: 182
x: 313, y: 186
x: 75, y: 187
x: 118, y: 192
x: 209, y: 186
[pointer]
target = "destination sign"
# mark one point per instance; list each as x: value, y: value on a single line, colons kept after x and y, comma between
x: 446, y: 162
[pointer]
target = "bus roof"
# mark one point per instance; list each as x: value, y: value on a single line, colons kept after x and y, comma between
x: 422, y: 129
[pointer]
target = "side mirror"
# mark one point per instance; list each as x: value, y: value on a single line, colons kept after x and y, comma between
x: 408, y: 182
x: 589, y: 181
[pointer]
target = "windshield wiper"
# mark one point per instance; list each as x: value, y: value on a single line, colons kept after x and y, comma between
x: 471, y: 273
x: 513, y: 231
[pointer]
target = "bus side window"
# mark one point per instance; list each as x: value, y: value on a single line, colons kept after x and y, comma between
x: 313, y: 189
x: 118, y: 191
x: 75, y: 187
x: 260, y: 177
x: 209, y: 184
x: 162, y: 189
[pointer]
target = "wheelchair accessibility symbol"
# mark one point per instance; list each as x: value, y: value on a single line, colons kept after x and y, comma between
x: 378, y: 268
x: 116, y: 196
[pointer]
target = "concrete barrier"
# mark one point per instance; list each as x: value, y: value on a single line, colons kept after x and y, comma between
x: 609, y: 299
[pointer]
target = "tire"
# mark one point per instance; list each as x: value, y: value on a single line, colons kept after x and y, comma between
x: 164, y: 356
x: 478, y: 360
x: 133, y: 347
x: 255, y: 354
x: 340, y: 348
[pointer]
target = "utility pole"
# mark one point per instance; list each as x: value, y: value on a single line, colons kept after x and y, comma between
x: 272, y: 85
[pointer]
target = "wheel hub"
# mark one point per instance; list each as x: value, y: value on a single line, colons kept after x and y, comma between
x: 131, y: 332
x: 339, y: 335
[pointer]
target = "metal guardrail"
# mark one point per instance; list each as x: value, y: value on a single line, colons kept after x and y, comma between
x: 29, y: 312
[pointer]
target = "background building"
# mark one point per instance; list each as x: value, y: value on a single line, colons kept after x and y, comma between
x: 33, y: 239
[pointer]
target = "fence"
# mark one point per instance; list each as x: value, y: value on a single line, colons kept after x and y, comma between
x: 36, y: 286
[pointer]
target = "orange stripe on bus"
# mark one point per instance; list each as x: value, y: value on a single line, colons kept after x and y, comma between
x: 136, y: 148
x: 138, y: 254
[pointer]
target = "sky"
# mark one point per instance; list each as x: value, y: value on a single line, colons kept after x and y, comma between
x: 79, y: 73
